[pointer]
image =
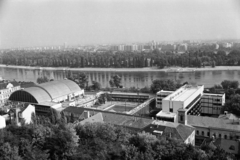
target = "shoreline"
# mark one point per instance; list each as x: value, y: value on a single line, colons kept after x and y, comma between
x: 146, y: 69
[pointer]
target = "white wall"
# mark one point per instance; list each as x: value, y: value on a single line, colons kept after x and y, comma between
x: 191, y: 139
x: 2, y: 122
x: 27, y: 114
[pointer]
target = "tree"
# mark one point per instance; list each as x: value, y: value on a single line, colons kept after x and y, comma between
x: 226, y: 84
x: 96, y: 85
x: 234, y: 84
x: 81, y: 79
x: 42, y: 80
x: 229, y: 84
x: 115, y: 81
x: 9, y: 153
x: 158, y: 85
x: 233, y: 105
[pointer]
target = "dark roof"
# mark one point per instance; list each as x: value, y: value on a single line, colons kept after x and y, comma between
x: 184, y: 131
x: 177, y: 130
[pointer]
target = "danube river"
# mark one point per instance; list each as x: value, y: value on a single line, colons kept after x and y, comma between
x: 129, y: 79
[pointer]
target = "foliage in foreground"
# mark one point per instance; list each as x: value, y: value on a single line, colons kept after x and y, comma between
x: 93, y: 141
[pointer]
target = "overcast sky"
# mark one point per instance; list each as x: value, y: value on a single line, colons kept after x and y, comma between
x: 79, y: 22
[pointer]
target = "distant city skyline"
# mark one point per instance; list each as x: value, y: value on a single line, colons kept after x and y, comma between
x: 29, y: 23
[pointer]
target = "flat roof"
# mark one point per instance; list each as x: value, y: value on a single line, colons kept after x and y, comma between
x: 183, y: 93
x: 130, y: 93
x: 209, y: 122
x: 213, y: 94
x: 162, y: 91
x: 166, y: 114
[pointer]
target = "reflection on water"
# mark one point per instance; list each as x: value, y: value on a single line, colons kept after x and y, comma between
x: 129, y: 79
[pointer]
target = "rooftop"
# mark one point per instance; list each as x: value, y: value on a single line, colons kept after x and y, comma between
x: 183, y: 93
x: 166, y: 114
x: 213, y: 94
x: 177, y: 130
x: 162, y: 91
x: 209, y: 122
x: 130, y: 93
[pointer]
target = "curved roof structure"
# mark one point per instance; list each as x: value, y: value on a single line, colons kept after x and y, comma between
x: 45, y: 92
x: 71, y: 85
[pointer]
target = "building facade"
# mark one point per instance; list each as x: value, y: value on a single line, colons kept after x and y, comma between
x: 160, y: 96
x: 6, y: 89
x: 211, y: 104
x: 186, y: 98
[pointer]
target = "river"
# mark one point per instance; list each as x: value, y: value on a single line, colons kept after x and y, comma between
x: 129, y: 79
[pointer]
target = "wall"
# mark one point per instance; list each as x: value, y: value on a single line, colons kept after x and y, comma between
x: 2, y: 122
x: 191, y: 139
x: 27, y: 114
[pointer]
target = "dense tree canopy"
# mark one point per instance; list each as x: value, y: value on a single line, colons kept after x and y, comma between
x: 164, y: 84
x: 42, y: 80
x: 80, y: 78
x: 61, y: 141
x: 233, y: 105
x: 79, y: 59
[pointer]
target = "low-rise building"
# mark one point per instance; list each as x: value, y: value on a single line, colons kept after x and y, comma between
x: 6, y: 89
x: 172, y: 130
x: 139, y: 124
x: 224, y: 130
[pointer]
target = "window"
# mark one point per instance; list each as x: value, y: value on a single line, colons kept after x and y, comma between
x: 171, y: 110
x: 225, y: 136
x: 208, y: 134
x: 202, y: 133
x: 181, y: 117
x: 231, y: 137
x: 232, y: 147
x: 197, y: 132
x: 220, y: 136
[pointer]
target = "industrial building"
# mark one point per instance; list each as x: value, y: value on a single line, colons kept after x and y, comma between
x: 50, y: 94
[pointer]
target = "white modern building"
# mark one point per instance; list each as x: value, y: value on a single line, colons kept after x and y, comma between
x: 185, y: 98
x: 188, y: 100
x: 160, y: 96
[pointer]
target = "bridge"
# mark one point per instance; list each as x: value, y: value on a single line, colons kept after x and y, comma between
x: 143, y: 108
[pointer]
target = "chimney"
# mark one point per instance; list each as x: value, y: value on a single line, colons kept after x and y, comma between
x: 225, y: 112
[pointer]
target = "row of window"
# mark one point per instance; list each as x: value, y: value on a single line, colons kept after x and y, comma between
x: 217, y: 135
x: 213, y: 108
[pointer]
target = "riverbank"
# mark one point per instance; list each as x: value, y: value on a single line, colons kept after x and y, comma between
x: 146, y: 69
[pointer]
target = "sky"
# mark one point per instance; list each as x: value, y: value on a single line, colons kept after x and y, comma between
x: 31, y: 23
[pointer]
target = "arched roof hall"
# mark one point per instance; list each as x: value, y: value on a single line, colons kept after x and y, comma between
x: 45, y: 92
